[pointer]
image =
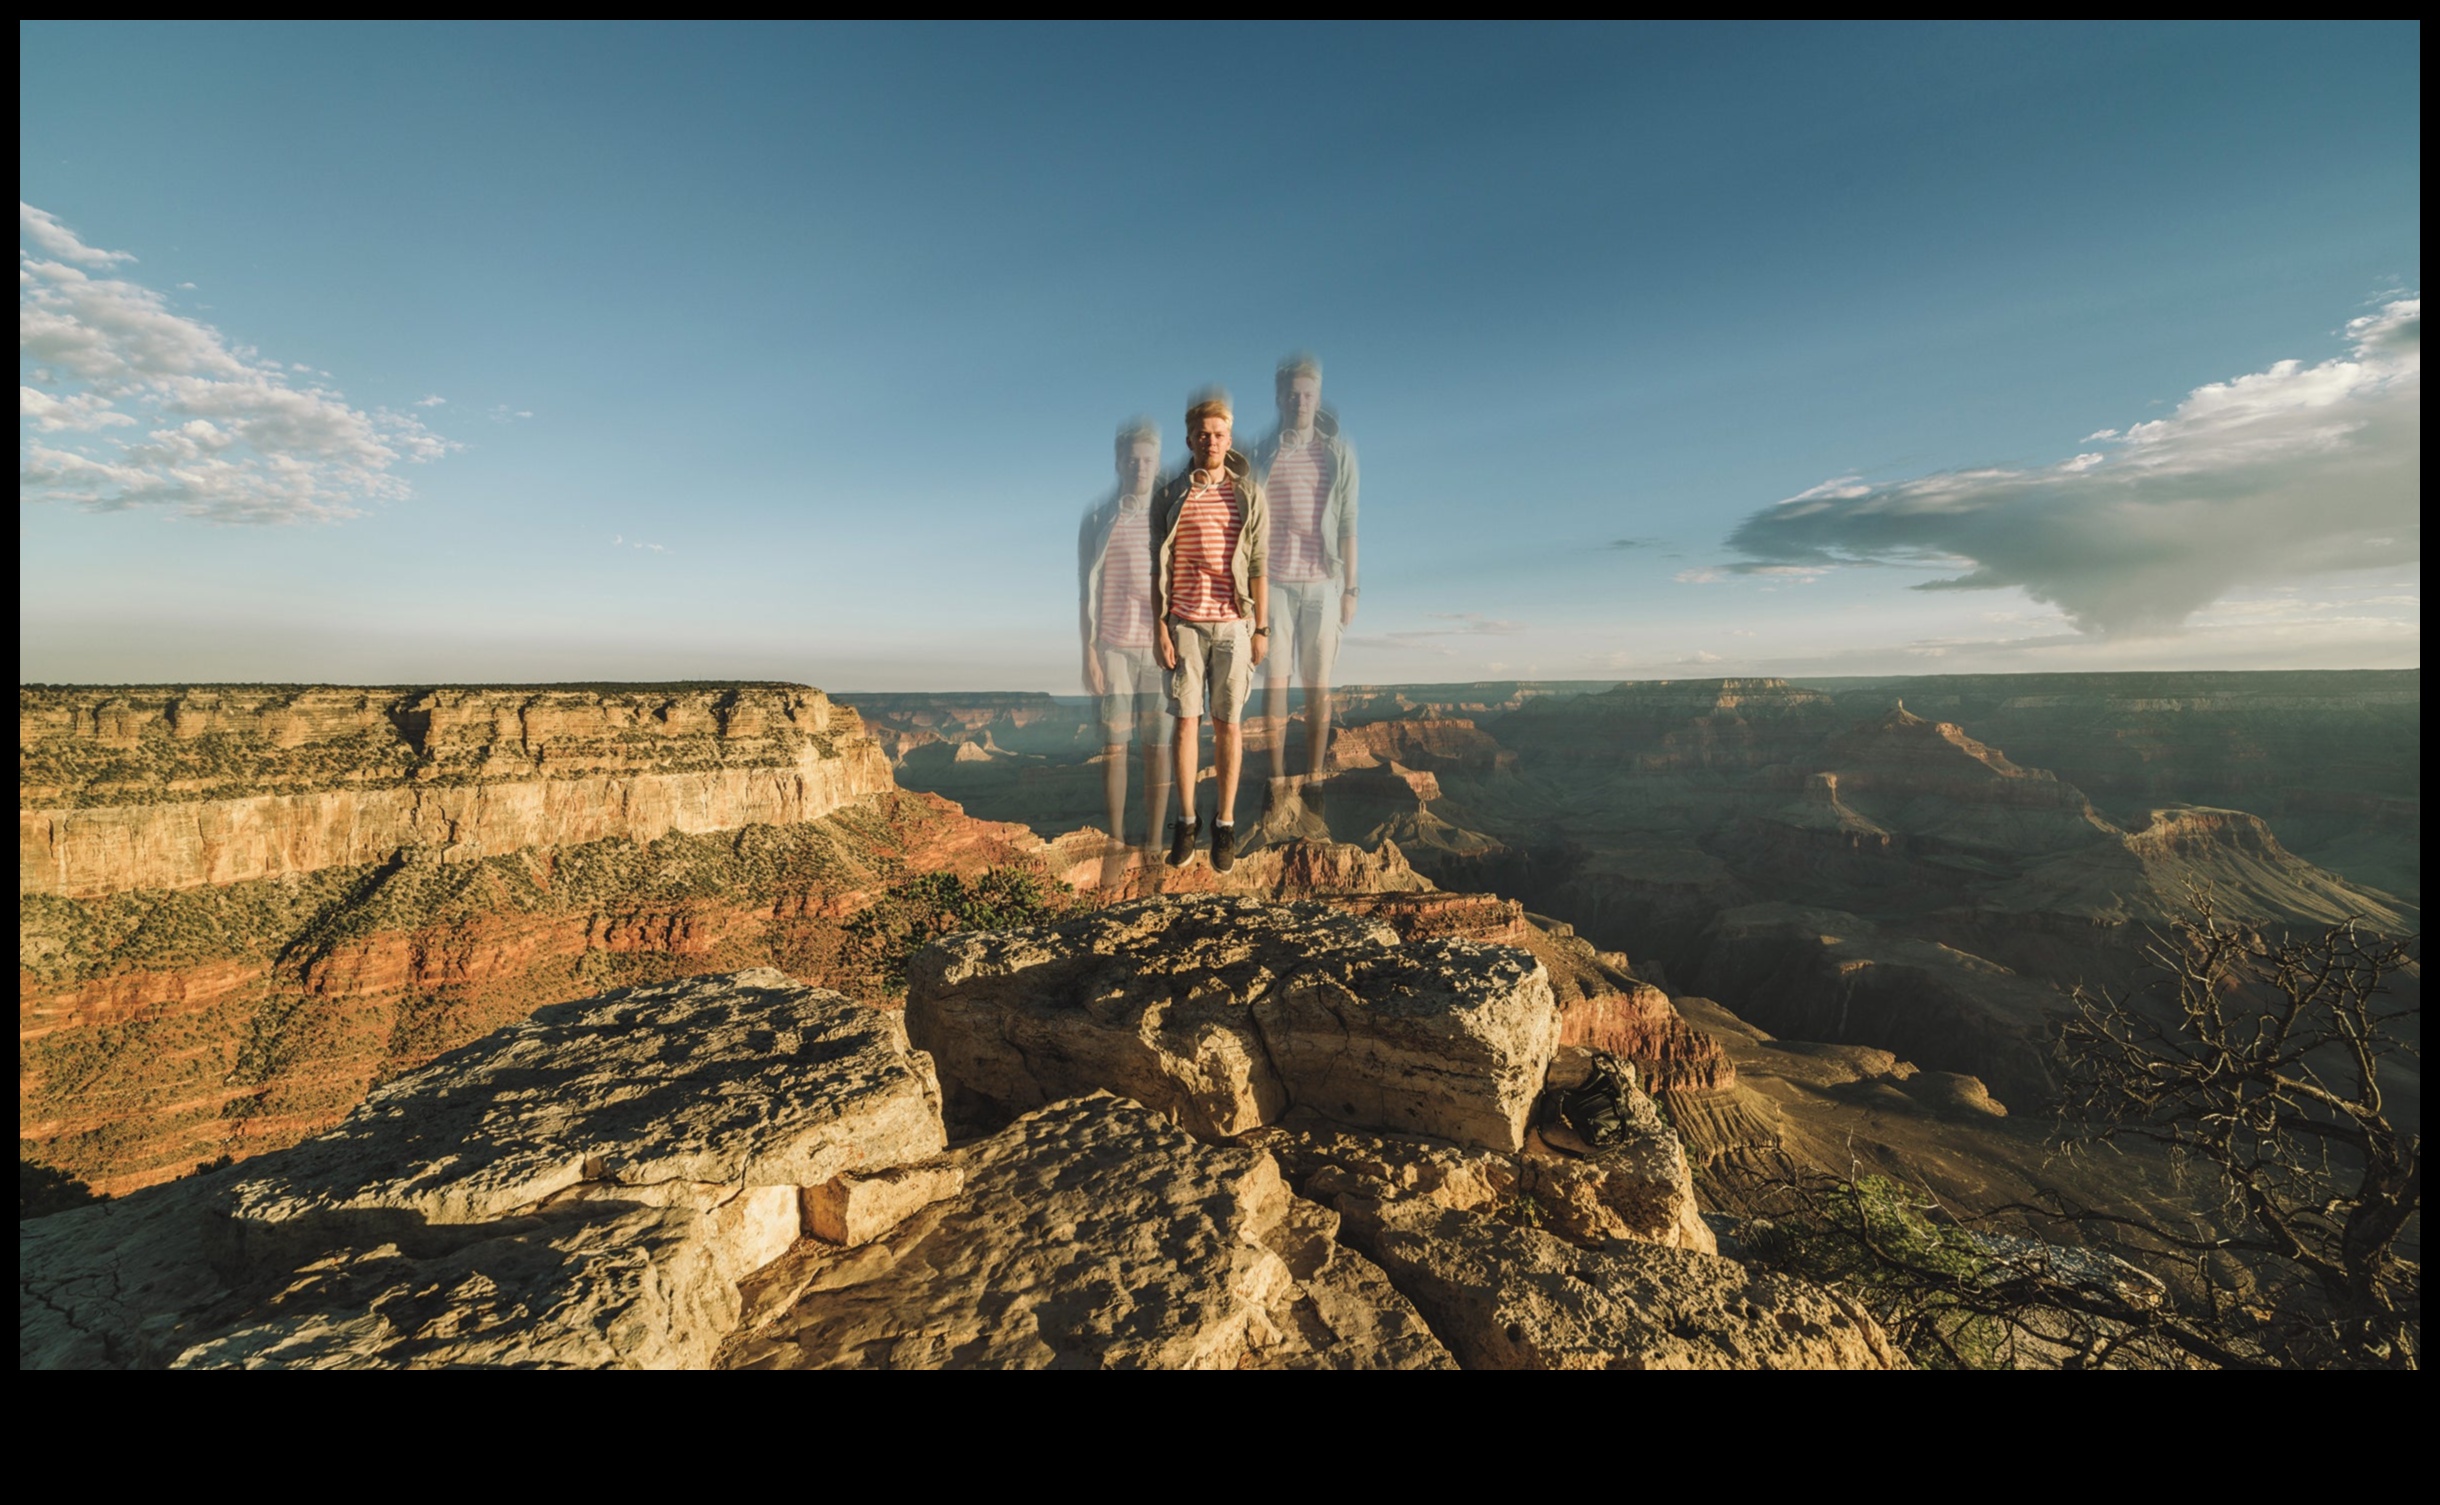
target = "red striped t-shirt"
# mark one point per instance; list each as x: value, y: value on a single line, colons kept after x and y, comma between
x: 1126, y: 583
x: 1299, y: 485
x: 1202, y: 587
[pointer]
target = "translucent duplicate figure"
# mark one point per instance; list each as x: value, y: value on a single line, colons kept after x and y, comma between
x: 1212, y: 623
x: 1309, y: 474
x: 1114, y: 620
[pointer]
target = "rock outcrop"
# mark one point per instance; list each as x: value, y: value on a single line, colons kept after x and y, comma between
x: 1092, y: 1234
x: 1504, y: 1296
x: 1229, y: 1014
x: 1638, y: 1186
x: 584, y: 1189
x: 1421, y: 743
x: 743, y: 1172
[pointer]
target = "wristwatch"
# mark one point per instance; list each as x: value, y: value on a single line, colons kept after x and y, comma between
x: 1262, y: 632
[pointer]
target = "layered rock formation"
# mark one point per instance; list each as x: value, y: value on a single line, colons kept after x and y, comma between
x: 746, y: 1172
x: 1429, y: 744
x: 166, y: 789
x: 241, y: 908
x: 1889, y: 879
x: 2332, y: 760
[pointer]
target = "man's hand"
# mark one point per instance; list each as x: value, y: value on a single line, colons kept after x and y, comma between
x: 1347, y: 607
x: 1094, y: 679
x: 1162, y: 644
x: 1262, y: 648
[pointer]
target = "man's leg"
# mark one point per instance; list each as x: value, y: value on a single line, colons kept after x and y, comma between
x: 1156, y: 790
x: 1317, y: 653
x: 1228, y: 755
x: 1231, y: 680
x: 1188, y: 732
x: 1186, y: 703
x: 1145, y: 684
x: 1287, y: 636
x: 1275, y: 707
x: 1317, y: 731
x: 1114, y: 789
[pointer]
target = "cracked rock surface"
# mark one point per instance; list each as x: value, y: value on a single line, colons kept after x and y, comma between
x: 1229, y: 1014
x: 1504, y: 1296
x: 1225, y: 1171
x: 583, y: 1189
x: 1092, y: 1234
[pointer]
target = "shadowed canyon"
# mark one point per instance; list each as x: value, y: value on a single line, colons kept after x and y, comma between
x: 1820, y: 923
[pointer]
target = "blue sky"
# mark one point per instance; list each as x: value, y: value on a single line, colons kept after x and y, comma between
x: 836, y: 322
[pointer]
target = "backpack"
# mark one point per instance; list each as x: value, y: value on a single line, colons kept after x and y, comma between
x: 1599, y: 1110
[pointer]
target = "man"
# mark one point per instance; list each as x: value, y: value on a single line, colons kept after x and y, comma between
x: 1114, y: 621
x: 1211, y: 622
x: 1308, y: 471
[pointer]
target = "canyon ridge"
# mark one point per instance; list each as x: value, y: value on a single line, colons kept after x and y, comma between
x: 333, y: 998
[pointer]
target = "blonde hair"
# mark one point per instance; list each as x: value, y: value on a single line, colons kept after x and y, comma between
x: 1302, y: 363
x: 1211, y: 402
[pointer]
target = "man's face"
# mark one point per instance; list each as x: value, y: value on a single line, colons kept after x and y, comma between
x: 1299, y: 399
x: 1138, y: 466
x: 1208, y: 440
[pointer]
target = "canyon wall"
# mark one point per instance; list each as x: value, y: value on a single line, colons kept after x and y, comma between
x: 241, y: 907
x: 269, y: 783
x: 1922, y: 864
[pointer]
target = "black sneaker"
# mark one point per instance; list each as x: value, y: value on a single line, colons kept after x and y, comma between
x: 1182, y: 836
x: 1224, y: 846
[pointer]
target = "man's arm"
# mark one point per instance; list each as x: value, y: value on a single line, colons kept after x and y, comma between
x: 1163, y: 646
x: 1262, y: 618
x: 1090, y: 560
x: 1347, y: 538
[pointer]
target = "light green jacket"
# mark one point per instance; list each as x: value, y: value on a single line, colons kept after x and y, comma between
x: 1339, y: 509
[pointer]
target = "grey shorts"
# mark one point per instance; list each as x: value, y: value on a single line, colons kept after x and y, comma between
x: 1304, y: 631
x: 1133, y: 702
x: 1215, y: 663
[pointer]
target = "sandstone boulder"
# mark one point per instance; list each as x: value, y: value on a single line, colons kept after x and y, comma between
x: 1507, y: 1296
x: 584, y: 1189
x: 1092, y: 1233
x: 1228, y: 1014
x: 1639, y: 1186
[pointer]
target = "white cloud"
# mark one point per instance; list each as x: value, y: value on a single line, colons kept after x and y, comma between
x: 229, y: 436
x: 59, y: 240
x: 503, y: 413
x: 434, y: 401
x: 1697, y: 577
x: 74, y: 410
x: 2288, y: 472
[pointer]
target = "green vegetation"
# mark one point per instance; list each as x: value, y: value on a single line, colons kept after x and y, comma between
x: 2261, y: 1064
x: 1878, y: 1241
x: 43, y: 1190
x: 917, y: 911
